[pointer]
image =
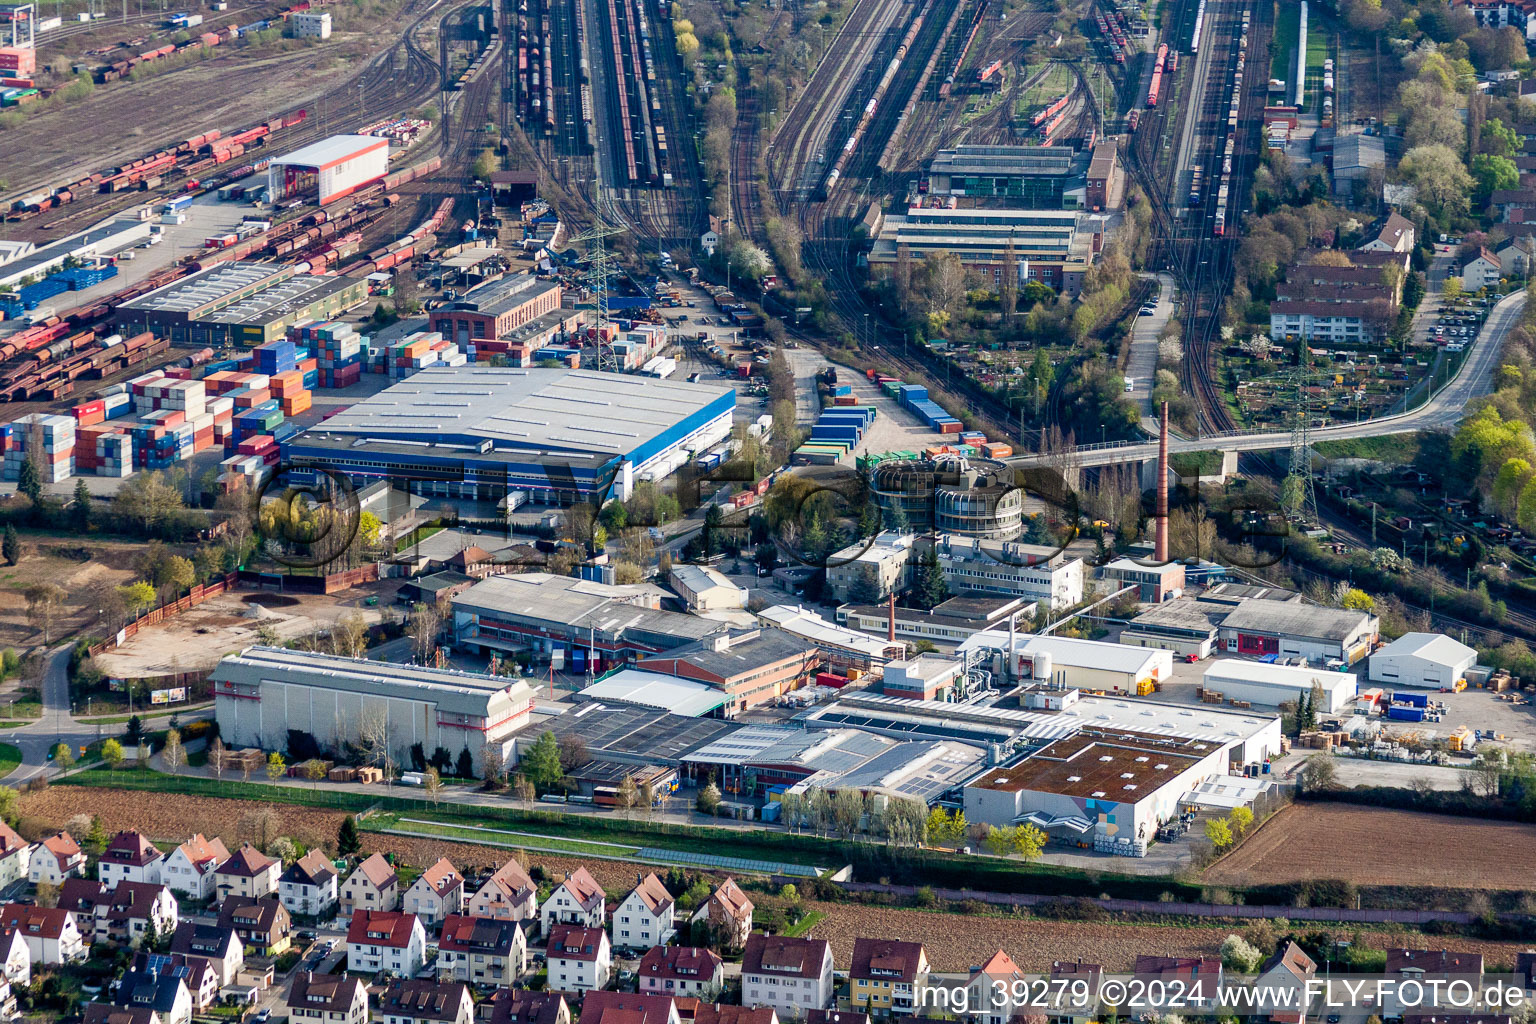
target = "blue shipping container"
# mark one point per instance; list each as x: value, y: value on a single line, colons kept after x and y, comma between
x: 1418, y: 700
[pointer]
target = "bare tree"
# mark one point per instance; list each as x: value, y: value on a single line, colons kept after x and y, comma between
x: 373, y: 735
x: 432, y: 785
x: 1009, y: 285
x: 218, y: 758
x: 173, y: 753
x: 259, y: 828
x: 349, y: 636
x: 493, y: 766
x: 44, y: 601
x: 524, y: 790
x: 424, y: 625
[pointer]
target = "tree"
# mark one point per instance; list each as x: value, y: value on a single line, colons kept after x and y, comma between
x: 930, y: 587
x: 112, y: 753
x: 1219, y: 833
x: 432, y: 785
x: 137, y: 597
x: 423, y: 627
x: 1319, y: 773
x: 1493, y: 173
x: 63, y: 755
x: 541, y: 763
x: 276, y: 766
x: 465, y: 767
x: 135, y: 730
x: 11, y: 546
x: 708, y: 801
x: 147, y: 500
x: 1440, y: 177
x: 28, y: 482
x: 493, y: 766
x: 96, y: 835
x: 628, y: 794
x: 1241, y: 819
x: 573, y: 752
x: 1239, y: 955
x: 80, y: 508
x: 173, y: 753
x: 1357, y: 600
x: 524, y: 790
x: 43, y: 603
x: 348, y: 844
x: 349, y: 636
x: 1028, y: 841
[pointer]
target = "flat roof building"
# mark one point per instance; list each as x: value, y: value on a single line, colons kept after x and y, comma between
x: 238, y: 303
x: 1049, y: 246
x: 496, y: 309
x: 480, y: 432
x: 102, y: 240
x: 263, y: 694
x: 948, y: 622
x: 1029, y: 572
x: 1065, y: 661
x: 748, y: 666
x: 654, y: 690
x: 839, y: 646
x: 1037, y: 176
x: 1295, y: 628
x: 328, y: 170
x: 1257, y: 682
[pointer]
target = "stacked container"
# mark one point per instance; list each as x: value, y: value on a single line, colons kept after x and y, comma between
x: 288, y: 388
x: 276, y: 357
x: 56, y: 460
x: 835, y: 434
x: 338, y: 353
x: 915, y: 398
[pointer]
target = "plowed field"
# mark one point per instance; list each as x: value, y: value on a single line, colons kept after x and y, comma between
x: 1379, y: 846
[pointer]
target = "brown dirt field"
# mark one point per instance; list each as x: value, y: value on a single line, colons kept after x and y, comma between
x: 86, y: 582
x: 1380, y: 846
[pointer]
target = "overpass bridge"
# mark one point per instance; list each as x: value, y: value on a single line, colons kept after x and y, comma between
x: 1444, y: 409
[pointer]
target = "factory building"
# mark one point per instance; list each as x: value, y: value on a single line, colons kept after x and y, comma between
x: 481, y: 432
x: 238, y: 303
x: 874, y: 568
x: 103, y: 240
x: 1066, y: 662
x: 1027, y: 572
x: 748, y: 666
x: 1256, y: 682
x: 1054, y: 247
x: 496, y: 309
x: 1106, y: 784
x: 328, y: 170
x: 263, y: 694
x: 948, y: 622
x: 840, y: 647
x: 1037, y: 177
x: 1185, y: 625
x: 642, y: 689
x: 1295, y: 629
x: 581, y: 621
x: 310, y: 24
x: 968, y: 497
x: 1433, y: 660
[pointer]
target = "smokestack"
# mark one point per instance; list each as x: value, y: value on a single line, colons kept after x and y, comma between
x: 1160, y: 552
x: 890, y: 618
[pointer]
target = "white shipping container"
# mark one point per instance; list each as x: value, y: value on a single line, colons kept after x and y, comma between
x: 49, y: 24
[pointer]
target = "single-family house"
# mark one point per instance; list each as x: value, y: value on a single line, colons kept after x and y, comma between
x: 509, y: 894
x: 628, y: 1008
x: 51, y: 934
x: 1282, y: 984
x: 682, y: 971
x: 130, y: 857
x: 482, y: 950
x: 990, y: 988
x: 436, y: 893
x: 423, y: 1001
x: 191, y: 866
x: 726, y: 916
x: 643, y: 917
x: 55, y: 859
x: 372, y: 885
x: 221, y: 947
x: 1481, y: 271
x: 578, y: 900
x: 580, y: 959
x: 1198, y: 977
x: 106, y: 1013
x: 158, y: 990
x: 520, y: 1006
x: 197, y: 974
x: 327, y: 999
x: 134, y: 912
x: 386, y: 940
x: 263, y: 925
x: 247, y: 872
x: 886, y: 974
x: 15, y: 961
x: 15, y: 854
x: 728, y: 1013
x: 308, y: 888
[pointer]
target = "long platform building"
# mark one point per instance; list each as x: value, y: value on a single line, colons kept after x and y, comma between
x: 328, y: 170
x: 479, y: 433
x: 263, y: 695
x: 1052, y: 246
x: 246, y: 303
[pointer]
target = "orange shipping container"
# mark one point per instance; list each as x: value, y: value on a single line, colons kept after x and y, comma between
x: 251, y: 399
x: 287, y: 383
x: 846, y: 400
x: 296, y: 403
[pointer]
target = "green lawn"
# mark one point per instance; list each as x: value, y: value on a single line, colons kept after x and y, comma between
x: 10, y: 757
x: 1317, y: 52
x: 497, y: 837
x: 805, y: 924
x: 1282, y: 59
x: 1399, y: 449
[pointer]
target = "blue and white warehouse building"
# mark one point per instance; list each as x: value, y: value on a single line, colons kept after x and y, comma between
x: 560, y: 435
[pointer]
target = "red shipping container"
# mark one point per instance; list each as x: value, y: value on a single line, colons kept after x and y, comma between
x: 175, y: 418
x: 22, y: 59
x: 251, y: 399
x: 305, y: 365
x: 256, y: 444
x: 837, y: 682
x: 287, y: 383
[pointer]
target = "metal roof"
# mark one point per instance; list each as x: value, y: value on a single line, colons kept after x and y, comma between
x: 801, y: 622
x: 640, y: 734
x: 1295, y: 618
x: 1239, y: 671
x: 328, y: 151
x: 585, y: 604
x: 653, y: 690
x: 1067, y: 651
x: 1430, y: 646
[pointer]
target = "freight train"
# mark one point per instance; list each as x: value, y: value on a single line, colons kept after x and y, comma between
x: 118, y: 69
x: 840, y: 167
x: 965, y: 47
x: 1157, y: 75
x: 1224, y: 211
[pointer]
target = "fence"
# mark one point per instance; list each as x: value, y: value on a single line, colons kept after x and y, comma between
x: 302, y: 584
x: 194, y: 597
x: 1179, y: 908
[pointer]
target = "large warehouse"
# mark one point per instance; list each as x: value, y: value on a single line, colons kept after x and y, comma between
x: 244, y: 303
x: 1272, y: 685
x: 1294, y: 628
x: 263, y: 694
x: 480, y: 432
x: 329, y: 169
x: 1422, y: 659
x: 1079, y: 664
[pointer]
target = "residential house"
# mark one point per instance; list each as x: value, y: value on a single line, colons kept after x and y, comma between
x: 520, y: 1006
x: 1073, y: 972
x: 1481, y: 271
x: 15, y: 949
x: 133, y: 912
x: 422, y: 1001
x: 1396, y: 234
x: 886, y: 974
x: 327, y: 999
x: 1513, y: 205
x: 51, y: 934
x: 577, y: 900
x: 106, y: 1013
x: 436, y: 893
x: 482, y: 950
x: 15, y: 854
x: 191, y: 866
x: 248, y: 872
x: 386, y: 940
x: 1441, y: 965
x: 1517, y: 255
x: 221, y: 947
x: 161, y: 991
x: 990, y: 988
x: 580, y: 959
x: 308, y: 888
x: 1282, y: 984
x: 628, y: 1008
x: 263, y: 925
x: 372, y: 885
x: 15, y: 961
x: 725, y: 1013
x: 1198, y: 977
x: 55, y: 859
x: 508, y: 895
x: 197, y: 974
x: 682, y: 971
x: 836, y: 1017
x: 643, y: 917
x: 726, y: 915
x: 130, y: 857
x: 790, y: 975
x: 80, y: 896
